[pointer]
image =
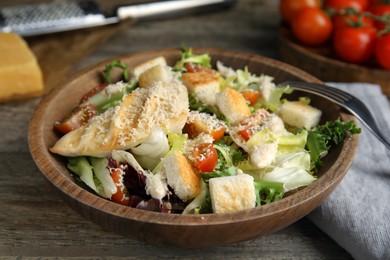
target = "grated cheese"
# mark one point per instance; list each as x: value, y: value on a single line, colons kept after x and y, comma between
x: 211, y: 122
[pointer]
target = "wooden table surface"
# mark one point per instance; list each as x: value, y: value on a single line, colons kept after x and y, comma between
x: 34, y: 222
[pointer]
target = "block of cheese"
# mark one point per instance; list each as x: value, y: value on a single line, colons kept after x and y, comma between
x: 20, y: 74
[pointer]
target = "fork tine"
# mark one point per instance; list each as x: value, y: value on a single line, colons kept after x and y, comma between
x: 361, y: 112
x: 322, y: 90
x: 335, y: 93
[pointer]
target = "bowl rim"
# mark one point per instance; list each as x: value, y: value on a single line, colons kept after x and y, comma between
x: 53, y: 174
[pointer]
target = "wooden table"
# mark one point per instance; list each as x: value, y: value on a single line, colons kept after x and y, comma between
x: 34, y: 222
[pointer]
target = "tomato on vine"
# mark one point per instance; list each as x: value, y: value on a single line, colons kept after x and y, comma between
x: 348, y: 20
x: 382, y: 51
x: 383, y: 11
x: 354, y: 44
x: 289, y: 8
x: 312, y: 26
x: 358, y: 5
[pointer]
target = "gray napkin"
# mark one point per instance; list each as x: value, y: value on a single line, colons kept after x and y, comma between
x: 357, y: 214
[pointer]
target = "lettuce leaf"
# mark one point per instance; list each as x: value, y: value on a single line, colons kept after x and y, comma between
x: 176, y: 144
x: 201, y: 204
x: 100, y: 169
x: 292, y: 177
x: 230, y: 171
x: 323, y: 137
x: 115, y: 64
x: 82, y: 167
x: 268, y: 191
x: 152, y: 149
x: 187, y: 56
x: 228, y: 155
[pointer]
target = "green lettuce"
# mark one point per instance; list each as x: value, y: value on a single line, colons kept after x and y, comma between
x: 323, y: 137
x: 83, y: 168
x: 201, y: 204
x: 268, y: 191
x: 176, y: 144
x: 292, y: 177
x: 187, y: 56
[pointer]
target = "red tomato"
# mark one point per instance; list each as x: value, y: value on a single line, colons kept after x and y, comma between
x: 354, y: 44
x: 289, y: 8
x: 205, y: 157
x: 381, y: 10
x: 77, y: 118
x: 382, y: 51
x: 121, y: 196
x: 342, y: 21
x: 217, y: 134
x: 358, y: 5
x: 312, y: 26
x: 251, y: 96
x: 92, y: 92
x: 246, y: 134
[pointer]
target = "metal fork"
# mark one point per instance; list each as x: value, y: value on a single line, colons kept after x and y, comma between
x: 344, y: 100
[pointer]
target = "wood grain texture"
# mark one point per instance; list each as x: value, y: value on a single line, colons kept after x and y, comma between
x: 193, y: 231
x: 322, y: 63
x: 35, y: 223
x: 58, y: 53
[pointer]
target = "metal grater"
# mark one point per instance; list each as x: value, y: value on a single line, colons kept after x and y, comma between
x: 36, y: 19
x: 44, y: 18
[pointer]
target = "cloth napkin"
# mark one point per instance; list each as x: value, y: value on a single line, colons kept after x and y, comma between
x: 357, y: 214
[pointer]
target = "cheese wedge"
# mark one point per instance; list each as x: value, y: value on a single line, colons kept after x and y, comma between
x: 20, y: 74
x: 164, y: 105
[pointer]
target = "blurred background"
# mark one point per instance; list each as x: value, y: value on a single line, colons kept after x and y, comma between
x: 250, y: 25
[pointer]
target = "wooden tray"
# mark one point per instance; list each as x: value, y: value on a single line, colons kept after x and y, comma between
x: 321, y: 62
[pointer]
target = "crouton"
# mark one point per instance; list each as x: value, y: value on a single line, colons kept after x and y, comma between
x: 232, y: 105
x: 232, y: 193
x: 198, y: 123
x: 181, y: 176
x: 299, y: 114
x: 203, y: 85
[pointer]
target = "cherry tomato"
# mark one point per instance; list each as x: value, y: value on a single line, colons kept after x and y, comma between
x: 205, y: 157
x: 289, y: 8
x: 80, y: 116
x: 92, y: 92
x: 251, y: 96
x: 121, y: 196
x: 382, y: 51
x: 246, y: 134
x: 312, y: 26
x: 381, y: 10
x: 358, y: 5
x: 354, y: 44
x: 342, y: 21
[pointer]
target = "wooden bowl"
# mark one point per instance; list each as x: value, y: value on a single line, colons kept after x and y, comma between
x: 175, y: 229
x: 322, y: 63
